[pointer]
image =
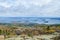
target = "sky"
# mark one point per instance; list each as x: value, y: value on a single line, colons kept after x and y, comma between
x: 29, y: 8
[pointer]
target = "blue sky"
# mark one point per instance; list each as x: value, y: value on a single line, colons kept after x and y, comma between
x: 29, y: 8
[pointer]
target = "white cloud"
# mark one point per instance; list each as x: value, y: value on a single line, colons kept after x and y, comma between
x: 4, y: 4
x: 33, y: 8
x: 33, y: 2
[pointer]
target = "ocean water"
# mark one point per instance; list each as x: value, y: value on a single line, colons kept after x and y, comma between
x: 40, y: 20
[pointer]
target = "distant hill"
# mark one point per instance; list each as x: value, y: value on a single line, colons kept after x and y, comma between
x: 39, y: 20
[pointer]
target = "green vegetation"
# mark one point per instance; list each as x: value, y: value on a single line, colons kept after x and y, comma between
x: 27, y: 29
